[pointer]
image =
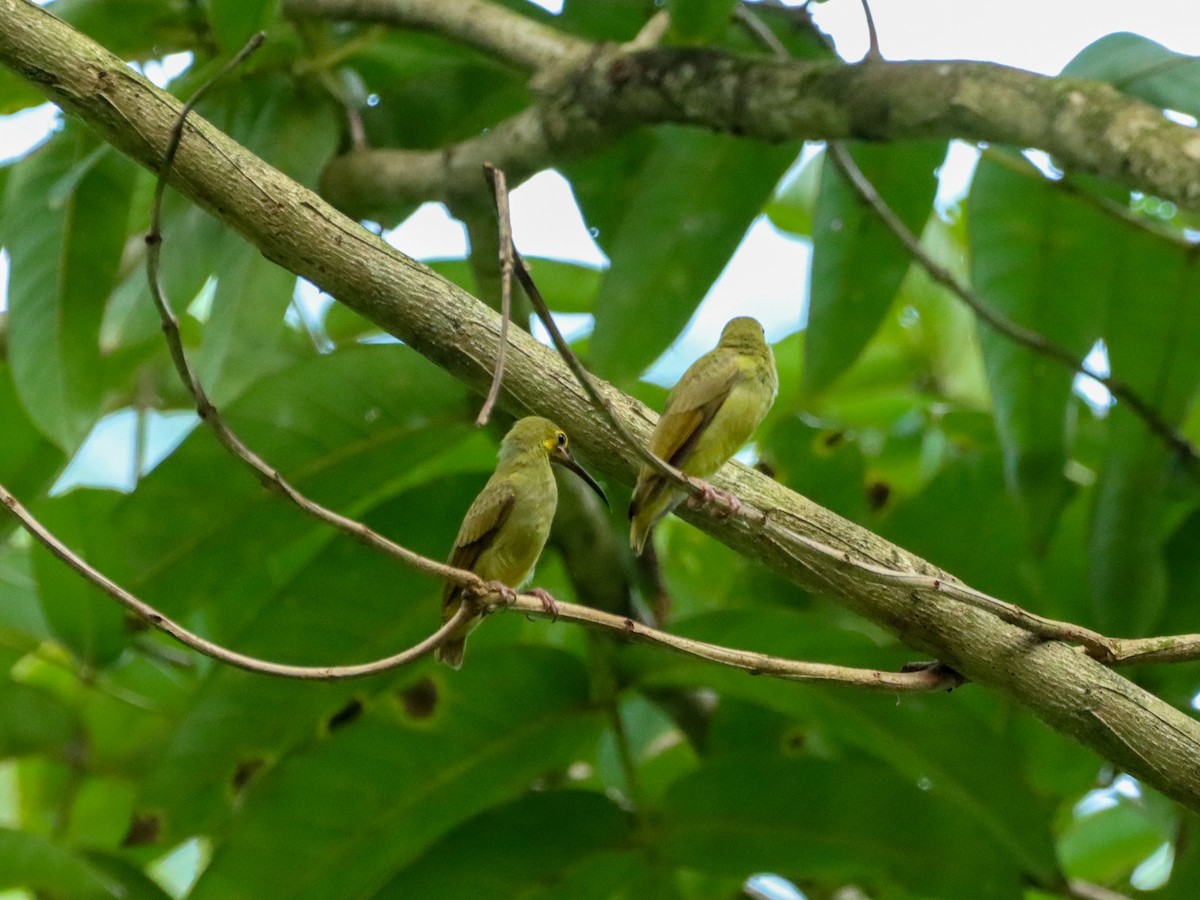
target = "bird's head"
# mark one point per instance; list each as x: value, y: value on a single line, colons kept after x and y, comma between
x: 744, y: 333
x: 535, y: 435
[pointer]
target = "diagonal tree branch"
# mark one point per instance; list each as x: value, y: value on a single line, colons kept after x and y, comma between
x: 1072, y: 693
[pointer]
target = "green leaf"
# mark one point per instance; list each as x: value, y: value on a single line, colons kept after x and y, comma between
x: 325, y: 609
x: 950, y: 749
x: 233, y: 21
x: 700, y: 21
x: 348, y: 428
x: 82, y: 616
x: 33, y: 721
x: 1107, y: 845
x: 65, y: 217
x: 580, y: 836
x: 432, y: 92
x: 1041, y: 257
x: 792, y: 207
x: 1143, y: 68
x: 28, y: 460
x: 689, y: 206
x: 857, y: 263
x: 832, y: 823
x: 354, y: 807
x: 35, y: 863
x: 1154, y: 347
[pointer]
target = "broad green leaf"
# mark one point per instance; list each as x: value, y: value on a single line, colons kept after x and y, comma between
x: 942, y: 744
x: 36, y: 863
x: 354, y: 807
x: 348, y: 428
x: 831, y: 823
x: 700, y: 21
x: 580, y: 836
x: 430, y: 92
x: 28, y: 460
x: 857, y: 263
x: 327, y: 610
x: 33, y: 721
x: 1107, y: 845
x: 1143, y: 68
x: 689, y: 206
x: 792, y: 207
x: 21, y: 619
x: 1154, y: 347
x: 66, y: 213
x: 83, y: 617
x: 233, y: 21
x: 1044, y: 259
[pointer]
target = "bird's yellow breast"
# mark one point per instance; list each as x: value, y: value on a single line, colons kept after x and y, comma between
x: 518, y: 543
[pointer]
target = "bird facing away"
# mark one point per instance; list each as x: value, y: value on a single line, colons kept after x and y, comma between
x: 506, y: 527
x: 710, y: 413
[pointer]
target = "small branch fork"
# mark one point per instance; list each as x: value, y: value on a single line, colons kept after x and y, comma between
x: 506, y: 272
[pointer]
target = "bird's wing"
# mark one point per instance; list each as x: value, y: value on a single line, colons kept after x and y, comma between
x: 487, y: 514
x: 690, y: 408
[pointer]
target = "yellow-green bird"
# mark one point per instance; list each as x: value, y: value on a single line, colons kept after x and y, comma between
x: 506, y: 527
x: 710, y: 413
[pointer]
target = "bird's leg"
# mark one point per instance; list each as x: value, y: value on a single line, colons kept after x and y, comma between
x: 507, y: 595
x: 548, y: 603
x: 728, y: 503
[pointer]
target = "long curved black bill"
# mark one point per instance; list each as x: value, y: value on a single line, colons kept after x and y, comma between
x: 563, y: 457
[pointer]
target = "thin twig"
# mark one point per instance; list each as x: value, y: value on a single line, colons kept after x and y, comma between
x: 1098, y: 646
x: 758, y: 29
x: 872, y: 34
x: 1019, y: 334
x: 932, y: 679
x: 1152, y: 650
x: 216, y: 651
x: 693, y: 486
x: 500, y: 194
x: 756, y: 663
x: 267, y: 475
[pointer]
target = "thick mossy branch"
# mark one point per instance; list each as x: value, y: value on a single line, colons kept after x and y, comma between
x: 1086, y: 126
x: 294, y: 227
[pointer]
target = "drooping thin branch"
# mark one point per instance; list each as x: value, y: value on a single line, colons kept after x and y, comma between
x: 267, y: 475
x: 209, y: 648
x: 934, y: 679
x: 756, y: 663
x: 1097, y: 645
x: 1019, y: 334
x: 504, y: 223
x: 757, y: 29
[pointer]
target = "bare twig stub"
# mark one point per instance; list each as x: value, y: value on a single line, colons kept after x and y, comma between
x: 496, y: 178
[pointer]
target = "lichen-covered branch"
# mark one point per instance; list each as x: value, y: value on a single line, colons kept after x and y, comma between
x: 294, y: 227
x: 1087, y: 126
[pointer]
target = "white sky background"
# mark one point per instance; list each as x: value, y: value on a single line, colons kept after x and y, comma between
x: 768, y: 275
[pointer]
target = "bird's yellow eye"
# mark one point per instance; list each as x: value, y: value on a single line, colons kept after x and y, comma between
x: 561, y: 438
